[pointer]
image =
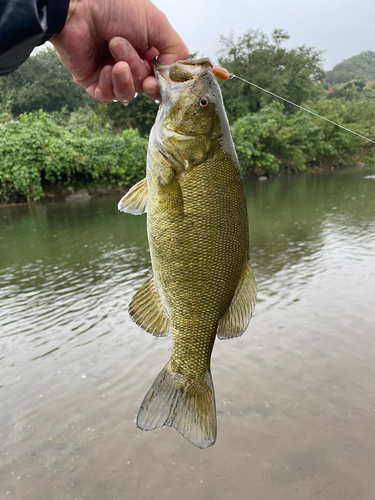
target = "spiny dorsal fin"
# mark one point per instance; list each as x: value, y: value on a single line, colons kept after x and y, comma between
x: 147, y: 310
x: 135, y: 200
x: 236, y: 319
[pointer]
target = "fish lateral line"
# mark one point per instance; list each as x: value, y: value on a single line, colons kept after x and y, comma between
x: 232, y: 75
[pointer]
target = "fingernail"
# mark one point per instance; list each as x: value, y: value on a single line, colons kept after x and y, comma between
x: 125, y: 102
x: 164, y: 59
x: 120, y: 50
x: 108, y: 74
x: 123, y: 75
x: 91, y: 90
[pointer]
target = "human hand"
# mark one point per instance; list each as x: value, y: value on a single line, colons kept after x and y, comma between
x: 108, y: 46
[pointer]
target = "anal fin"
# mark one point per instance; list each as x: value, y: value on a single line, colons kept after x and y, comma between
x: 238, y: 316
x: 147, y: 311
x: 135, y: 200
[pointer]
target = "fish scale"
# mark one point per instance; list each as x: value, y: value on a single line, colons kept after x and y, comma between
x: 201, y: 284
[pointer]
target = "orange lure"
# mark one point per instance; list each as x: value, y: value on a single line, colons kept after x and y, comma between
x: 221, y: 73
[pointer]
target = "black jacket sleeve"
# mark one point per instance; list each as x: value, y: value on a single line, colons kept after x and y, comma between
x: 24, y: 24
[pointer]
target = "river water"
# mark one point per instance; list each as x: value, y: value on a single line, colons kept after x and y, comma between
x: 295, y: 394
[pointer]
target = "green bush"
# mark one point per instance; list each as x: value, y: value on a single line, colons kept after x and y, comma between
x: 272, y: 140
x: 79, y: 149
x: 37, y: 149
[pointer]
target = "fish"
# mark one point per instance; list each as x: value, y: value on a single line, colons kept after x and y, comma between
x: 202, y: 285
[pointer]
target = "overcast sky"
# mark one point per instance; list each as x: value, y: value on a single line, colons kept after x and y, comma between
x: 343, y: 28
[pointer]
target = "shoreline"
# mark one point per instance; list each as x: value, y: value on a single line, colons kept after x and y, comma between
x: 86, y: 193
x: 79, y: 195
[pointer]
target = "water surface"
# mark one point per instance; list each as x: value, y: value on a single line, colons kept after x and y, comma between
x: 295, y: 394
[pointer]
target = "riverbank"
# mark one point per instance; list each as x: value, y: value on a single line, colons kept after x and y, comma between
x: 60, y: 193
x: 70, y: 195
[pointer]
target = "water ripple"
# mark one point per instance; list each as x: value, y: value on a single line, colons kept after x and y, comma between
x: 71, y: 357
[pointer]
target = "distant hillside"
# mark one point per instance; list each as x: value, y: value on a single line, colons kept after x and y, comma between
x: 362, y: 65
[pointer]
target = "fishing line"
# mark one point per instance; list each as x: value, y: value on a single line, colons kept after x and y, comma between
x: 232, y: 75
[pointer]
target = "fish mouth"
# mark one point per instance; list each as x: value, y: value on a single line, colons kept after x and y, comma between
x: 171, y: 75
x: 191, y: 63
x: 177, y: 131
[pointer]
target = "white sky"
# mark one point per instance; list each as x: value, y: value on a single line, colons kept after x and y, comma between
x: 343, y: 28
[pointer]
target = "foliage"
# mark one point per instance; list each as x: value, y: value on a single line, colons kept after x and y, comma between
x: 76, y: 141
x: 271, y: 140
x: 361, y: 66
x: 139, y: 114
x: 43, y: 83
x: 6, y: 98
x: 353, y: 90
x: 340, y: 147
x: 291, y: 73
x: 35, y: 150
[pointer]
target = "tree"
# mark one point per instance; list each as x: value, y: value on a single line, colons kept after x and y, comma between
x: 78, y: 150
x: 353, y: 90
x: 272, y: 140
x: 290, y: 73
x: 360, y: 66
x: 42, y: 83
x: 139, y: 114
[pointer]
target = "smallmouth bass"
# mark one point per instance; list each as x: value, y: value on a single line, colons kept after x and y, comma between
x: 201, y: 284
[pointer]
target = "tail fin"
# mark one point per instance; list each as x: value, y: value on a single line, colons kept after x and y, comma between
x: 188, y: 406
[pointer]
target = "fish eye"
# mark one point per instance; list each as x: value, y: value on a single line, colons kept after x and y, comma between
x: 204, y: 102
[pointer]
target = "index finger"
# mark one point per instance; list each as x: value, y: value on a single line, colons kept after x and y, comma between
x: 122, y: 50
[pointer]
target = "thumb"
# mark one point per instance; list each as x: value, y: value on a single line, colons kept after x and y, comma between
x: 166, y: 40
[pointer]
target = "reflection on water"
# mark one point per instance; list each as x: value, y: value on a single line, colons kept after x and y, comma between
x: 295, y: 394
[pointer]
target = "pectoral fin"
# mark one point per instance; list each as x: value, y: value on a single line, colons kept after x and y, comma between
x: 168, y: 189
x: 236, y: 319
x: 147, y: 310
x: 135, y: 200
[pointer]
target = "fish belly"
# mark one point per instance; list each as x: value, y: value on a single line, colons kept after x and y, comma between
x: 197, y: 259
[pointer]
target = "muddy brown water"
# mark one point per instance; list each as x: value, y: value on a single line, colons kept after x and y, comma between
x: 295, y: 394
